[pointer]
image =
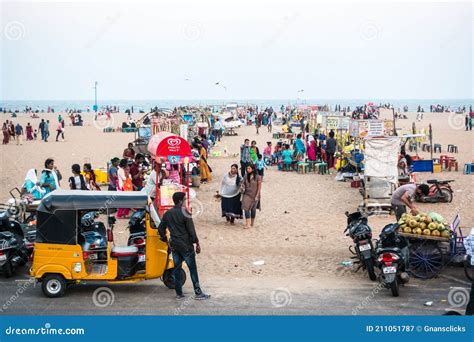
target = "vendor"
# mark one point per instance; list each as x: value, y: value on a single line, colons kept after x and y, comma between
x: 402, y: 198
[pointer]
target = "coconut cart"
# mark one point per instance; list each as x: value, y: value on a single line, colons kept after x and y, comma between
x: 433, y: 244
x: 170, y: 152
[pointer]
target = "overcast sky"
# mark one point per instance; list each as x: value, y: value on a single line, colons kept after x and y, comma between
x: 255, y: 49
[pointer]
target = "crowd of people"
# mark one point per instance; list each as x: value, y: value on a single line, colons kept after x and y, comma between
x: 19, y: 133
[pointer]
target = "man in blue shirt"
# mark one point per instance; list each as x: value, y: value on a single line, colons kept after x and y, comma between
x: 19, y: 134
x: 244, y: 156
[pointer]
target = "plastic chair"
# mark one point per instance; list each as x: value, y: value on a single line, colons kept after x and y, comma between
x: 437, y: 147
x: 467, y: 169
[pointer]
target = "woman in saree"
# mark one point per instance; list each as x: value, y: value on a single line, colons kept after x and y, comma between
x: 311, y: 147
x: 204, y: 170
x: 230, y: 195
x: 6, y: 134
x: 29, y: 132
x: 124, y: 183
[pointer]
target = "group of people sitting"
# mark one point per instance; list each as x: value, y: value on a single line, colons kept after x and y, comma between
x: 288, y: 156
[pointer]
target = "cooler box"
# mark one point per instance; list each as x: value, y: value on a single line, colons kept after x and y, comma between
x: 437, y: 168
x: 100, y: 176
x: 422, y: 166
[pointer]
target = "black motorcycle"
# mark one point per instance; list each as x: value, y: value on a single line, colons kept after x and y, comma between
x: 392, y: 258
x: 361, y: 234
x: 14, y: 252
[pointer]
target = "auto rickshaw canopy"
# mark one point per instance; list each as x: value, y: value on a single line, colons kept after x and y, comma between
x: 84, y: 199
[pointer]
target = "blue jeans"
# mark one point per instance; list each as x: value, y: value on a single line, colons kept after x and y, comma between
x: 190, y: 259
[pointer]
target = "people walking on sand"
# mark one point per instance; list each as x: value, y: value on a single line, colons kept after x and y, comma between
x: 204, y: 169
x: 77, y: 180
x: 244, y: 156
x: 90, y: 177
x: 59, y: 131
x: 46, y: 131
x: 19, y: 134
x: 6, y: 134
x: 258, y: 121
x: 29, y: 132
x: 183, y: 237
x: 260, y: 166
x: 230, y: 195
x: 254, y: 152
x: 41, y: 129
x: 251, y: 188
x: 11, y: 130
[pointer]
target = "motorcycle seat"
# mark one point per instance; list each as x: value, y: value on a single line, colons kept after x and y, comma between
x: 121, y: 251
x: 435, y: 181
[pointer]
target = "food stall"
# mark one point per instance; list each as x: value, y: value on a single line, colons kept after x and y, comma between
x: 172, y: 153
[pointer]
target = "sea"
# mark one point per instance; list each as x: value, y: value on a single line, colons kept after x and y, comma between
x: 146, y: 105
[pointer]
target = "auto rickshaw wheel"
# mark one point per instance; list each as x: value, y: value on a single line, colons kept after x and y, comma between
x: 53, y: 285
x: 168, y: 278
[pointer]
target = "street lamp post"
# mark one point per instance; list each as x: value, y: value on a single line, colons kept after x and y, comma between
x: 95, y: 96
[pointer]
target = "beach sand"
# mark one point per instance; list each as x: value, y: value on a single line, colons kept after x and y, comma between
x: 298, y: 233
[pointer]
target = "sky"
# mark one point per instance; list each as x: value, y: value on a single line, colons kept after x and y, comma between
x: 254, y: 49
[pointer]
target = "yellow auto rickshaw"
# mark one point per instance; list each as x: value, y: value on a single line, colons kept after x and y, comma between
x: 73, y: 244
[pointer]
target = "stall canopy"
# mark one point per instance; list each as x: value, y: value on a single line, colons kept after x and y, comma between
x: 168, y: 145
x: 381, y: 158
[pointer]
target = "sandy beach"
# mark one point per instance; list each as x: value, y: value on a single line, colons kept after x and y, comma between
x: 298, y: 233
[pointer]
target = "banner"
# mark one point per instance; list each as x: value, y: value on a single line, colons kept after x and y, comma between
x: 375, y: 128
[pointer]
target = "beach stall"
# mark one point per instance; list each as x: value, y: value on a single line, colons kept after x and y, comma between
x: 172, y: 154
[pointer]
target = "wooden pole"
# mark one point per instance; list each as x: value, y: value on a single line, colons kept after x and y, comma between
x: 393, y: 118
x: 431, y: 142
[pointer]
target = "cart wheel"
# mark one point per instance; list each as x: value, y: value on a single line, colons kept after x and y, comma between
x: 447, y: 195
x: 468, y: 268
x: 426, y: 260
x: 168, y: 278
x: 53, y: 285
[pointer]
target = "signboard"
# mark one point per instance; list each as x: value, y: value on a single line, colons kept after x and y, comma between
x: 332, y: 123
x: 375, y: 128
x: 363, y: 128
x: 388, y: 127
x: 183, y: 131
x: 166, y: 194
x: 344, y: 123
x: 354, y: 128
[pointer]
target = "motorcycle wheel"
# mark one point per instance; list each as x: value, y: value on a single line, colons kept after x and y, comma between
x: 369, y: 265
x: 395, y: 288
x: 447, y: 196
x: 168, y: 278
x: 8, y: 270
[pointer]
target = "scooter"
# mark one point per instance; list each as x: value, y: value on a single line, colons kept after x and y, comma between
x: 392, y: 258
x: 13, y: 250
x: 440, y: 191
x: 92, y: 238
x: 361, y: 234
x: 137, y: 238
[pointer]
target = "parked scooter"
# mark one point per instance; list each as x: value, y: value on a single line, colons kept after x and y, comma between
x: 93, y: 237
x: 361, y: 234
x: 137, y: 237
x: 440, y: 191
x: 13, y: 250
x: 392, y: 258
